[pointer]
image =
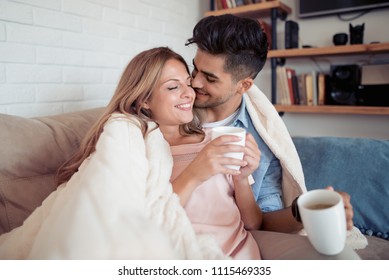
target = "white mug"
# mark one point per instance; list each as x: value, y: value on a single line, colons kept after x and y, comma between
x: 323, y: 215
x: 230, y: 130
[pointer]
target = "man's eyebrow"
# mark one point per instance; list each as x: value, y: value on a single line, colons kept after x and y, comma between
x: 205, y: 72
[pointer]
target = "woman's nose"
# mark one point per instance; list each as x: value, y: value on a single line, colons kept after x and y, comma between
x: 189, y: 91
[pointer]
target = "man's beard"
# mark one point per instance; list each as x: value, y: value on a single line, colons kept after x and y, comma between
x: 211, y: 102
x: 207, y: 104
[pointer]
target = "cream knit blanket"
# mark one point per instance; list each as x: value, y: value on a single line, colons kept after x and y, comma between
x: 275, y: 134
x: 119, y: 205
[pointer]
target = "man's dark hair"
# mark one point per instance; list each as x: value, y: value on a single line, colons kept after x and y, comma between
x: 241, y: 40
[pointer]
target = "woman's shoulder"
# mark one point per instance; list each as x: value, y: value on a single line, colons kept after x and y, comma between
x: 120, y: 121
x: 117, y: 116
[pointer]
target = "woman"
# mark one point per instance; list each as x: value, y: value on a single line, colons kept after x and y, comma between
x: 166, y: 97
x: 115, y: 199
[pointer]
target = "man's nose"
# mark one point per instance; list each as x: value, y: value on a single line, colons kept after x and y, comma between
x: 197, y: 82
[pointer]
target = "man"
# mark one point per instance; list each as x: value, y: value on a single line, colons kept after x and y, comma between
x: 231, y: 52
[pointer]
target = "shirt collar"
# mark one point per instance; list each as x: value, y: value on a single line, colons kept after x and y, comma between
x: 242, y: 117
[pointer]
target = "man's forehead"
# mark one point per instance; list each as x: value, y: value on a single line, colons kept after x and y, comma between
x: 209, y: 64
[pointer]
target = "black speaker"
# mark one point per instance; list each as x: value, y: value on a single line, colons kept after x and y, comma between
x: 343, y: 85
x: 291, y: 34
x: 373, y: 95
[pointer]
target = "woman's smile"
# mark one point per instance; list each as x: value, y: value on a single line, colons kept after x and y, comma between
x: 184, y: 106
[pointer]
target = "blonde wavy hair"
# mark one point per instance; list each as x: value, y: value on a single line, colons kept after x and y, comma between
x: 135, y: 87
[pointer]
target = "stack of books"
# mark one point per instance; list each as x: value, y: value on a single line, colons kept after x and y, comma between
x: 301, y: 89
x: 228, y: 4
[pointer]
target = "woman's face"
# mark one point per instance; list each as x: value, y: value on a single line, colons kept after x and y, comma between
x: 172, y: 100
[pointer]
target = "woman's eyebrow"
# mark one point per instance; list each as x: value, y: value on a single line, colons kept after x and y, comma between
x: 175, y: 79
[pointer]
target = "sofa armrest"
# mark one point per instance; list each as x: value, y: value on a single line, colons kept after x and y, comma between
x: 32, y: 149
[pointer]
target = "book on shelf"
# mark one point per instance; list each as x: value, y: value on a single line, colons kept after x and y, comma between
x: 321, y: 88
x: 228, y: 4
x: 289, y: 76
x: 309, y: 88
x: 282, y: 91
x: 215, y: 5
x: 302, y: 88
x: 224, y: 4
x: 231, y: 3
x: 287, y: 86
x: 314, y: 88
x: 296, y: 93
x: 239, y: 3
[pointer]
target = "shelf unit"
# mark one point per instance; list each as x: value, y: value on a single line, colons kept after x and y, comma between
x: 278, y: 10
x: 253, y: 10
x: 361, y: 49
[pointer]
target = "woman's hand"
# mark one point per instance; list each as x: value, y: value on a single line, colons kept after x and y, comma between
x: 210, y: 161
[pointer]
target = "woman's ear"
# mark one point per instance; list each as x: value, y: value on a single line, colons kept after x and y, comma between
x: 145, y: 105
x: 145, y: 109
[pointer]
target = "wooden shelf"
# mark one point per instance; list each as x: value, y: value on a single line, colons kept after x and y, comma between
x: 253, y: 10
x: 330, y: 51
x: 264, y: 10
x: 332, y: 109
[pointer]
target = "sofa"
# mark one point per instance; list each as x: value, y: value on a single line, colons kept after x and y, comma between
x: 33, y: 148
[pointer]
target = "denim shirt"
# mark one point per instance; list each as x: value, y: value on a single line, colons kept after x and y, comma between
x: 268, y: 176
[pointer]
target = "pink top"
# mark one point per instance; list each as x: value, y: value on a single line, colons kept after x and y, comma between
x: 212, y: 208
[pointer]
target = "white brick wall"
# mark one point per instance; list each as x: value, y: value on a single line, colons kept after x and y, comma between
x: 59, y: 56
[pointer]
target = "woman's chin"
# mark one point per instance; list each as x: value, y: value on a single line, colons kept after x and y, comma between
x: 187, y: 120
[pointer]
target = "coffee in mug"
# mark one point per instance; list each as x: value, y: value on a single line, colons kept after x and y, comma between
x: 319, y: 206
x: 324, y: 219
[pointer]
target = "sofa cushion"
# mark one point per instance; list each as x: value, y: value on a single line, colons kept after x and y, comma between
x: 353, y: 165
x: 32, y: 150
